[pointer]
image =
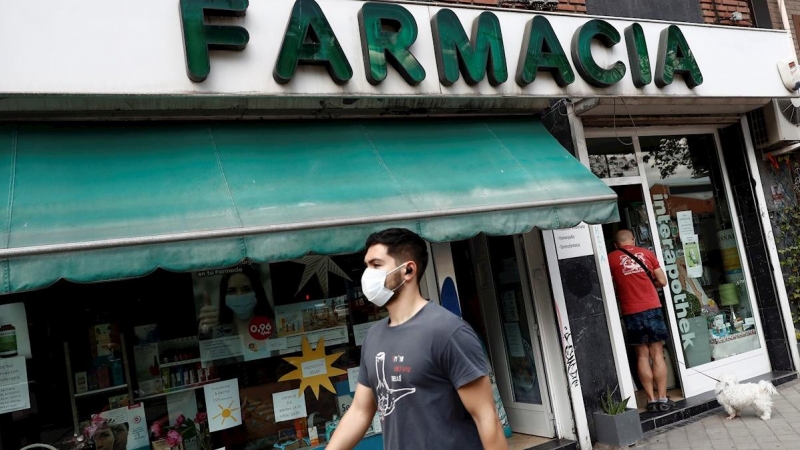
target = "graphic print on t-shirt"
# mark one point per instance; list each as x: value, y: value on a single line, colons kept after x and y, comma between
x: 629, y: 266
x: 387, y: 397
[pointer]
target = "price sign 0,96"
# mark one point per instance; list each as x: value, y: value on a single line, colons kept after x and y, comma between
x: 261, y: 328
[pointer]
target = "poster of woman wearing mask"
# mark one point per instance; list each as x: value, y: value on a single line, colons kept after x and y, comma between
x: 235, y: 302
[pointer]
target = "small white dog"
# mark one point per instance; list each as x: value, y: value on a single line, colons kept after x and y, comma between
x: 735, y: 397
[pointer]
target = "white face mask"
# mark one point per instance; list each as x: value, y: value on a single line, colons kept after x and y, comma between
x: 373, y: 284
x: 242, y: 305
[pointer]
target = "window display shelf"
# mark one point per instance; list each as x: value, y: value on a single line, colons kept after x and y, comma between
x: 100, y: 391
x: 190, y: 387
x: 180, y: 363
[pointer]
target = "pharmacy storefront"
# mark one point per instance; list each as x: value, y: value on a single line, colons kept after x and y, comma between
x: 189, y: 185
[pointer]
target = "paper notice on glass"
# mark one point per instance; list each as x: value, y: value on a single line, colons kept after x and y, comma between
x: 277, y: 343
x: 222, y: 405
x: 314, y: 368
x: 288, y: 405
x: 138, y: 433
x: 376, y: 424
x: 332, y: 336
x: 514, y: 340
x: 360, y: 332
x: 352, y: 377
x: 221, y: 348
x: 573, y: 242
x: 116, y: 416
x: 691, y: 253
x: 17, y: 336
x: 508, y: 302
x: 14, y: 394
x: 181, y: 404
x: 685, y: 224
x: 138, y: 436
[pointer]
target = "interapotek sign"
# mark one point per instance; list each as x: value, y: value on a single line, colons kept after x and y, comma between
x: 388, y: 31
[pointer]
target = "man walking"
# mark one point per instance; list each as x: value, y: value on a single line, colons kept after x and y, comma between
x: 422, y: 368
x: 636, y: 273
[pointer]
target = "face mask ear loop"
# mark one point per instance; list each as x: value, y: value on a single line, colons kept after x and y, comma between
x: 399, y: 285
x: 387, y: 277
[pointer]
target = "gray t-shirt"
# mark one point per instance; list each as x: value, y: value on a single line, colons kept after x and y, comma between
x: 414, y: 370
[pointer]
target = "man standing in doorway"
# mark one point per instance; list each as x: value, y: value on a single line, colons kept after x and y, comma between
x: 636, y: 274
x: 422, y: 368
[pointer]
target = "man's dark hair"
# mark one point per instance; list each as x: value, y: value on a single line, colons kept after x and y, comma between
x: 402, y: 245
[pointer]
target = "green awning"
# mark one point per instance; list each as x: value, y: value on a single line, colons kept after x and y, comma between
x: 91, y: 202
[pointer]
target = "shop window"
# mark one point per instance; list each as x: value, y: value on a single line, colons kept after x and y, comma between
x: 245, y: 357
x: 702, y: 255
x: 612, y: 157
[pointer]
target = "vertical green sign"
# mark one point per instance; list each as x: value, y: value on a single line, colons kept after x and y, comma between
x: 198, y: 37
x: 541, y: 51
x: 387, y: 32
x: 585, y: 64
x: 455, y: 52
x: 309, y: 39
x: 637, y: 55
x: 675, y: 57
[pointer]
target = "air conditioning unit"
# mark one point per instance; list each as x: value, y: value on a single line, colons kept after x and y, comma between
x: 776, y: 126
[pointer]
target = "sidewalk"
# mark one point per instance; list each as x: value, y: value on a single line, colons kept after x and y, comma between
x: 711, y: 431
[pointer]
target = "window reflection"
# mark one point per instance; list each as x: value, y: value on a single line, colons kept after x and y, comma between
x: 612, y: 158
x: 701, y: 253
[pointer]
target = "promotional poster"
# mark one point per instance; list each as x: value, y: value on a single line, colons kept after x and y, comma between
x: 235, y: 302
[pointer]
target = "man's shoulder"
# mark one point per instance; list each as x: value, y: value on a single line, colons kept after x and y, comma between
x: 616, y: 255
x: 376, y: 327
x: 444, y: 319
x: 643, y: 251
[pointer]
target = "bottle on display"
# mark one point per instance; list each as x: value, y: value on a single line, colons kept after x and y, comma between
x: 8, y: 341
x: 330, y: 427
x: 116, y: 372
x: 165, y: 378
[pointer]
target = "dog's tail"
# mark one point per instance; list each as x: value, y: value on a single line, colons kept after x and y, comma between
x: 766, y: 386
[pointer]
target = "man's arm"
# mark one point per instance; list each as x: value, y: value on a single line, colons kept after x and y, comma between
x: 478, y: 400
x: 355, y: 422
x: 661, y: 279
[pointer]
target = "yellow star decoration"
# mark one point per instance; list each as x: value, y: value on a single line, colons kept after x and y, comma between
x: 318, y: 380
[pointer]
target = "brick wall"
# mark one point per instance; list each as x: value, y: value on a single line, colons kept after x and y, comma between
x: 719, y: 12
x: 714, y: 11
x: 568, y: 6
x: 792, y: 8
x: 775, y: 15
x: 577, y: 6
x: 721, y: 15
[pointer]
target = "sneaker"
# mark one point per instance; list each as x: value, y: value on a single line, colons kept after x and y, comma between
x: 665, y: 406
x: 653, y: 406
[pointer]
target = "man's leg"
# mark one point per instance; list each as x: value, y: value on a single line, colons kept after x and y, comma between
x: 645, y: 372
x: 659, y: 368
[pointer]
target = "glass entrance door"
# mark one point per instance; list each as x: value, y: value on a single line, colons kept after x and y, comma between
x: 713, y: 319
x: 507, y: 303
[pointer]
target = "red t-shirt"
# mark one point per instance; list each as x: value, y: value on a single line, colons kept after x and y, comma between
x: 635, y: 291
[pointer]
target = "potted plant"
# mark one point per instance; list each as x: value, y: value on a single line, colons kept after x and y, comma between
x: 617, y: 425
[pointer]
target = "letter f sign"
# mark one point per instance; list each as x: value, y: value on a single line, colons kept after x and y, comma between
x: 199, y: 37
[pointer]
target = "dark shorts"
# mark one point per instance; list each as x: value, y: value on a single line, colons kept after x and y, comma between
x: 646, y: 327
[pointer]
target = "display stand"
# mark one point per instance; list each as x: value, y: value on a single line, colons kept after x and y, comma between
x: 76, y: 397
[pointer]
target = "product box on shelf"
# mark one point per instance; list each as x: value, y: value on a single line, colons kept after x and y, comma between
x: 81, y: 382
x: 103, y: 339
x: 103, y: 377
